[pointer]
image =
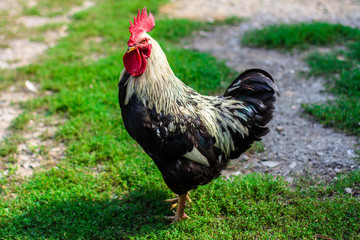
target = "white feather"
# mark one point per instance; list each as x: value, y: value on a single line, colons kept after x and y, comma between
x: 196, y: 156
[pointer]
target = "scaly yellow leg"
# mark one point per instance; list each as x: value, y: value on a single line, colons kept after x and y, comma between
x: 174, y: 201
x: 180, y: 211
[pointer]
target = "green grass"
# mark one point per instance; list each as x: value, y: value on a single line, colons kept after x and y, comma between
x: 126, y: 201
x: 342, y: 113
x: 52, y: 8
x: 257, y: 147
x: 300, y: 35
x: 8, y: 147
x: 341, y: 71
x: 108, y: 188
x: 21, y: 121
x: 339, y: 68
x: 10, y: 28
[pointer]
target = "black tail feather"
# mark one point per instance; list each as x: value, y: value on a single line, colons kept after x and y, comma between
x: 257, y: 90
x: 252, y: 82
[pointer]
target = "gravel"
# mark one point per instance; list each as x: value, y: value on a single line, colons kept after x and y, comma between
x: 261, y: 12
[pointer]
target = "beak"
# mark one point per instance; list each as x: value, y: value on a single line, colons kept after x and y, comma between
x: 130, y: 49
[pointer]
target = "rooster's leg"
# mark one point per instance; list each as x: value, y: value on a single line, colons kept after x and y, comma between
x: 180, y: 211
x: 174, y: 201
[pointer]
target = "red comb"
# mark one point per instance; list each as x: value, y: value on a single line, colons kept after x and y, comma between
x: 142, y: 23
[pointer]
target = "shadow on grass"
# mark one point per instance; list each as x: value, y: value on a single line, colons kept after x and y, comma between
x: 137, y: 213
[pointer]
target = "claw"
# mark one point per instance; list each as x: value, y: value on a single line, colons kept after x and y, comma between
x: 172, y: 200
x: 177, y: 218
x: 180, y: 203
x: 175, y: 200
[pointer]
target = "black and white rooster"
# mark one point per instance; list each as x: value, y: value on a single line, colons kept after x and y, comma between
x: 190, y: 137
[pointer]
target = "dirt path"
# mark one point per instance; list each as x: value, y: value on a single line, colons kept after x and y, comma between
x: 19, y: 52
x: 296, y: 145
x: 261, y: 12
x: 16, y: 52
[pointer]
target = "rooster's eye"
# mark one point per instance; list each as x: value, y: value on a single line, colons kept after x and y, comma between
x: 143, y: 41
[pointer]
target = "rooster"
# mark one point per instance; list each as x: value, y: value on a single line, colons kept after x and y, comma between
x: 189, y: 136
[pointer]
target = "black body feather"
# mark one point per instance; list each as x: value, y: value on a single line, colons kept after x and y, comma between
x: 254, y: 88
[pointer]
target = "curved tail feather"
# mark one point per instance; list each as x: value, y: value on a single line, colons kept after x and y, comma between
x: 257, y: 90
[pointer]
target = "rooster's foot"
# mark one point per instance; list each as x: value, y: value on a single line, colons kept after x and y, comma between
x: 177, y: 218
x: 180, y: 202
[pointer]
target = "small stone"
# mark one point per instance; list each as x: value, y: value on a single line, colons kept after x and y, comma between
x: 289, y: 93
x: 203, y: 33
x: 289, y: 179
x: 210, y: 20
x: 244, y: 157
x: 292, y: 165
x: 13, y: 195
x: 351, y: 153
x: 348, y: 190
x: 236, y: 173
x: 279, y: 128
x: 319, y: 153
x: 270, y: 164
x: 246, y: 166
x: 256, y: 166
x: 341, y: 58
x: 30, y: 86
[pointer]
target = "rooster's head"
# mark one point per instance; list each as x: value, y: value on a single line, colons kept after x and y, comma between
x: 139, y: 43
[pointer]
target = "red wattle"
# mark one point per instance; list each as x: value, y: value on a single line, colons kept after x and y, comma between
x: 134, y: 62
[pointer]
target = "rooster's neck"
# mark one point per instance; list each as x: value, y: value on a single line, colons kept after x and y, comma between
x: 158, y: 87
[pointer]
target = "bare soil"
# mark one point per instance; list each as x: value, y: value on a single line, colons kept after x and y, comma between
x: 260, y: 12
x: 38, y: 148
x: 296, y: 145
